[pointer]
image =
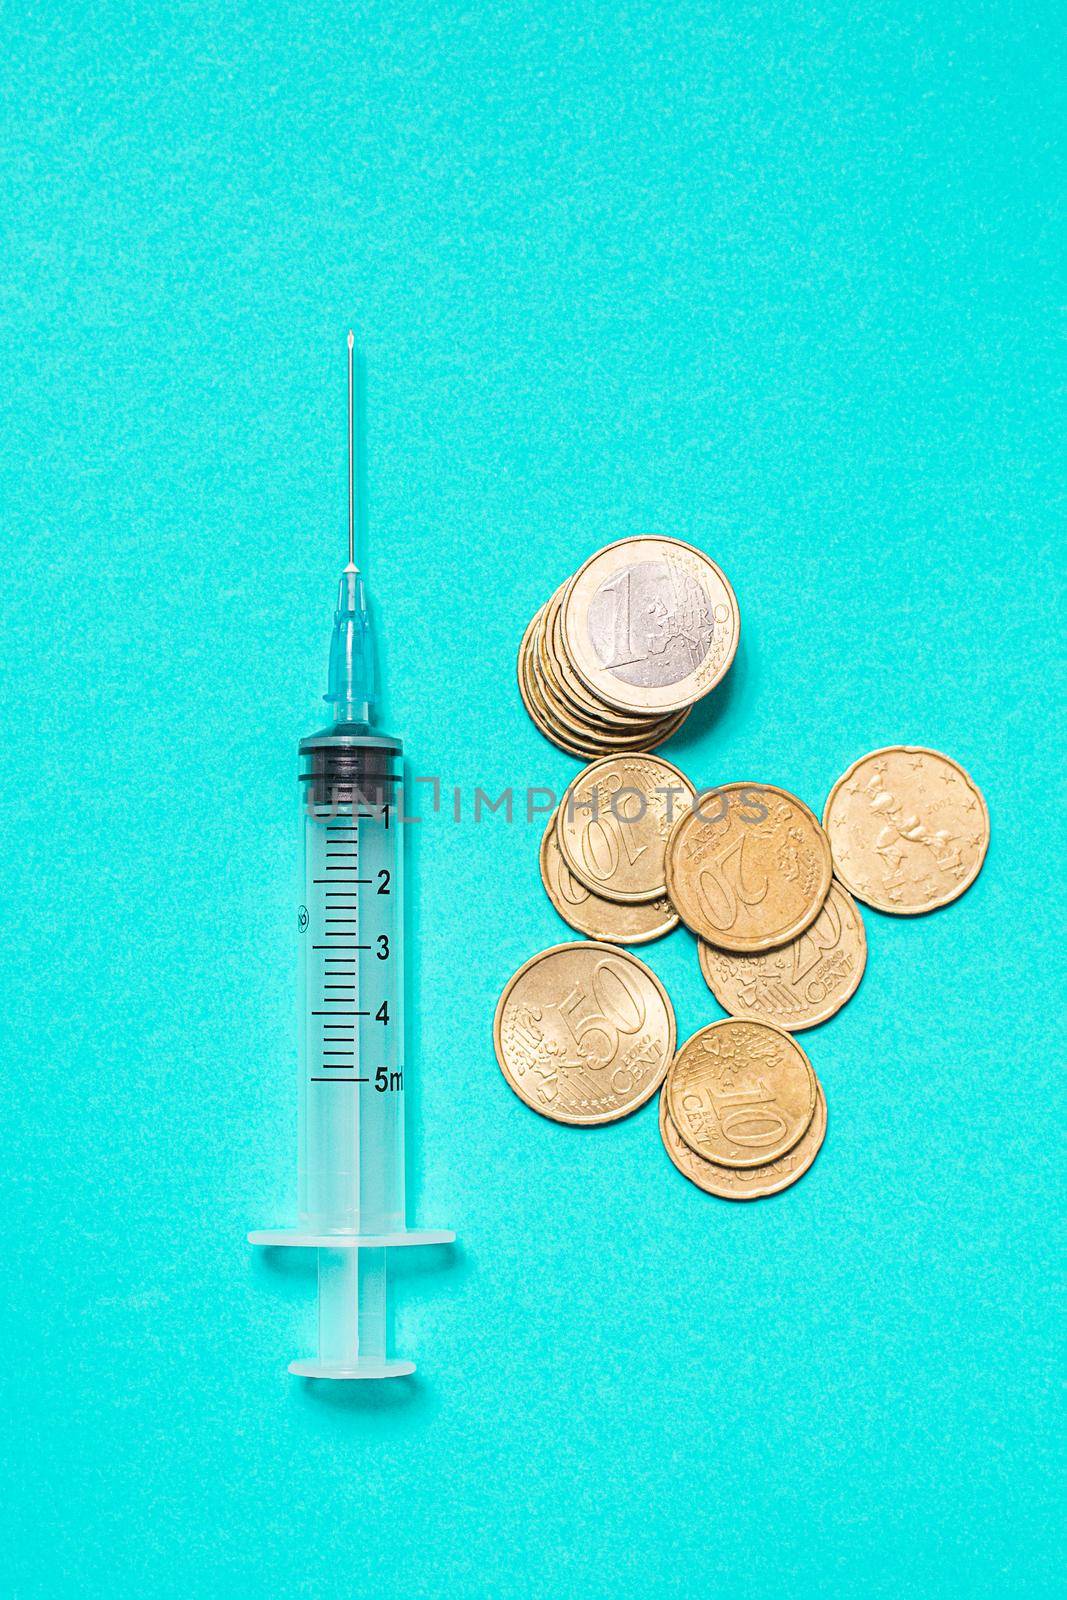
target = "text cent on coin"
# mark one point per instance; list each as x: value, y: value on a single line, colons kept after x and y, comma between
x: 799, y: 984
x: 584, y: 1033
x: 744, y: 1183
x: 741, y: 1093
x: 748, y: 867
x: 909, y: 829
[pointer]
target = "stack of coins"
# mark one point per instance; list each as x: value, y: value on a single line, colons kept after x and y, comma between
x: 603, y: 855
x: 742, y: 1114
x: 615, y: 659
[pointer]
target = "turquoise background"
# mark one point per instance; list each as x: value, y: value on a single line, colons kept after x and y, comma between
x: 777, y: 279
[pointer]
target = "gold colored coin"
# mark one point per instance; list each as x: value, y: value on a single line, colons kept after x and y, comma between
x: 744, y: 1183
x: 613, y: 823
x: 741, y: 1093
x: 538, y: 714
x: 749, y: 867
x: 592, y: 915
x: 584, y: 1033
x: 650, y: 624
x: 799, y: 984
x: 541, y: 713
x: 909, y: 829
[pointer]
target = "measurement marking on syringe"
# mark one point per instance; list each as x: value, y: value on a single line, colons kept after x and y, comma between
x: 340, y: 1080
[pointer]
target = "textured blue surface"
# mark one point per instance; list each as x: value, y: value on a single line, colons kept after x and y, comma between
x: 777, y: 279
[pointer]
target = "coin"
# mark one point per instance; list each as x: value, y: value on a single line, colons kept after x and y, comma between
x: 741, y: 1093
x: 577, y: 722
x: 744, y: 1183
x: 590, y: 913
x: 556, y: 660
x: 748, y: 867
x: 587, y: 744
x: 650, y: 624
x: 578, y: 697
x: 538, y: 714
x: 584, y: 1033
x: 801, y: 983
x: 909, y: 829
x: 613, y: 824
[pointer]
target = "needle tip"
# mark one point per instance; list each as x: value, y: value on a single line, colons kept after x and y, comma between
x: 351, y: 338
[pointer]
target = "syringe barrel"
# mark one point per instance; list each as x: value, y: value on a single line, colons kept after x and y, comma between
x: 351, y: 1160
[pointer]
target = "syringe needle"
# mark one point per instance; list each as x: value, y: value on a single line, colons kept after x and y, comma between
x: 351, y: 453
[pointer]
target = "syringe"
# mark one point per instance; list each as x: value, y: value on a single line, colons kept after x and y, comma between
x: 351, y: 1117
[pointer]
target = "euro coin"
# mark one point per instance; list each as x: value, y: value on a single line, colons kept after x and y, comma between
x: 799, y: 984
x: 557, y: 662
x: 748, y: 867
x: 535, y: 707
x: 541, y: 712
x: 744, y: 1183
x: 578, y: 723
x: 613, y: 823
x: 741, y: 1093
x: 650, y: 624
x: 585, y: 743
x: 592, y: 915
x: 909, y: 829
x: 584, y: 1033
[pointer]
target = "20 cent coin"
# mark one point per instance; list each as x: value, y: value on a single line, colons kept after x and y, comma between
x: 909, y: 829
x: 748, y: 867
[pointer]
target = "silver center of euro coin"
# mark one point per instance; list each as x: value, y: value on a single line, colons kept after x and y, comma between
x: 651, y: 624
